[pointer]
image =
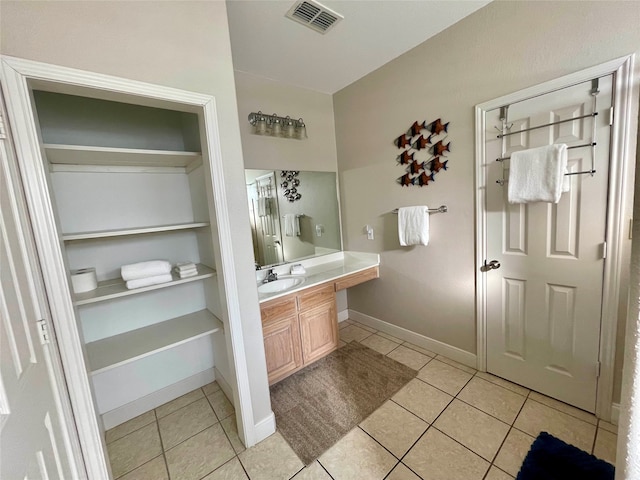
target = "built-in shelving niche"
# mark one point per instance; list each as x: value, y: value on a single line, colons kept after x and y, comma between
x: 127, y: 186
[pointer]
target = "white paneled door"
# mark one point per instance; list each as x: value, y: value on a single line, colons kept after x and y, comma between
x: 36, y: 440
x: 544, y: 302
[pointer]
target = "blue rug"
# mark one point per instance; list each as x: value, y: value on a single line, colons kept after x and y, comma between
x: 552, y: 459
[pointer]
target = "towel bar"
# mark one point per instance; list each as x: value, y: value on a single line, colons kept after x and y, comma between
x: 440, y: 209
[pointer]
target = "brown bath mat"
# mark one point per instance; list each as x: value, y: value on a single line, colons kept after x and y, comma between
x: 318, y: 405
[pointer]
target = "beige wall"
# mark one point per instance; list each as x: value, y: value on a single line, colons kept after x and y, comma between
x: 178, y: 44
x: 316, y: 153
x: 502, y: 48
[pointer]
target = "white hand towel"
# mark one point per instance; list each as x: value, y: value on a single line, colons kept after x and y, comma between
x: 182, y: 266
x: 134, y: 271
x: 145, y: 282
x: 413, y: 225
x: 188, y: 272
x: 291, y: 225
x: 537, y: 174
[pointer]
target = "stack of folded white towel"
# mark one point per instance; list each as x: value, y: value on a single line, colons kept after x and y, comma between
x: 185, y: 269
x: 144, y: 274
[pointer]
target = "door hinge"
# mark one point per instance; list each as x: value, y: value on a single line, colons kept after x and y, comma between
x: 611, y: 116
x: 604, y: 250
x: 598, y: 364
x: 43, y: 330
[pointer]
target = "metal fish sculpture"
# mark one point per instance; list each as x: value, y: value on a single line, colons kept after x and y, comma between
x: 402, y: 141
x: 417, y: 127
x: 405, y: 157
x: 439, y: 148
x: 437, y: 127
x: 421, y: 142
x: 416, y: 167
x: 437, y: 165
x: 405, y: 180
x: 423, y: 179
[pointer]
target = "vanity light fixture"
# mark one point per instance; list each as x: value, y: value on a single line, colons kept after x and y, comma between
x: 276, y: 126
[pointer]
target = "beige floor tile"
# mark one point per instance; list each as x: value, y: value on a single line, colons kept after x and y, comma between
x: 492, y: 399
x: 390, y: 337
x: 130, y: 426
x: 231, y: 429
x: 563, y: 407
x: 394, y: 428
x: 503, y: 383
x: 453, y: 363
x: 606, y: 446
x: 271, y: 459
x: 211, y: 388
x: 365, y: 327
x: 512, y: 453
x: 424, y: 351
x: 154, y: 469
x: 401, y: 472
x: 232, y: 470
x: 183, y: 401
x: 341, y: 343
x: 473, y: 428
x: 357, y: 456
x: 445, y: 377
x: 345, y: 323
x: 408, y: 357
x: 353, y: 333
x: 199, y: 455
x: 312, y: 472
x: 186, y: 422
x: 497, y: 474
x: 131, y: 451
x: 536, y: 417
x: 437, y: 457
x: 379, y: 344
x: 609, y: 427
x: 221, y: 404
x: 423, y: 400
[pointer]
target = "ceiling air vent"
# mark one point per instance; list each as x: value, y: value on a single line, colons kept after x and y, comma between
x: 314, y: 15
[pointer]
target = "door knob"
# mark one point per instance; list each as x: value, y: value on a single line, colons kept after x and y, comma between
x: 492, y: 265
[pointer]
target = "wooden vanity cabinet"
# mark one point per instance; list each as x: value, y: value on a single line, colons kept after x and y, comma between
x: 299, y: 329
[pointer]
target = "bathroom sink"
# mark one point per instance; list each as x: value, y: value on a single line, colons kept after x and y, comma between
x: 280, y: 285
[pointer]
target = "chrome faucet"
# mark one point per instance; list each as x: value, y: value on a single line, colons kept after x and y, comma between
x: 271, y: 276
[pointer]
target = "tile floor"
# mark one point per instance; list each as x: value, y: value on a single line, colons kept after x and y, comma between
x: 450, y: 422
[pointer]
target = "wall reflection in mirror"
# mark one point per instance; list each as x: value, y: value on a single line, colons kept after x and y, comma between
x: 285, y: 230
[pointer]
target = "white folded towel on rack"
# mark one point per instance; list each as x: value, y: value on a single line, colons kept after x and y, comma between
x: 413, y: 225
x: 537, y: 174
x: 145, y: 282
x: 135, y: 271
x: 183, y: 266
x: 291, y: 225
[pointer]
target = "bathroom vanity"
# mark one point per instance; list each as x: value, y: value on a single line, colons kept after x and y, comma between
x: 300, y: 324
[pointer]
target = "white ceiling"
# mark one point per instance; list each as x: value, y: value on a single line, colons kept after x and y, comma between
x: 266, y: 43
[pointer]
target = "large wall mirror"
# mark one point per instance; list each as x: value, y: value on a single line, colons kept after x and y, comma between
x: 294, y: 215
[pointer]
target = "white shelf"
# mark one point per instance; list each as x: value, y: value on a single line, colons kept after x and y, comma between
x: 112, y: 352
x: 115, y: 288
x: 59, y: 154
x: 131, y: 231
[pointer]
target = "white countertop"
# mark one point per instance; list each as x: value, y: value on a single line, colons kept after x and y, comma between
x: 322, y: 269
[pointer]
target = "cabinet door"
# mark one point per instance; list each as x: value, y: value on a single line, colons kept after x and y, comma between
x: 282, y: 347
x: 318, y: 331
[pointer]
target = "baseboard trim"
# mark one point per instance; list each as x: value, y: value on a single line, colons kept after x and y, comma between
x: 265, y: 427
x: 436, y: 346
x: 343, y: 315
x: 131, y: 410
x: 615, y: 413
x: 224, y: 385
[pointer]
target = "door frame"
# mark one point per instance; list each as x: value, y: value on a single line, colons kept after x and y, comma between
x: 15, y: 75
x: 616, y: 226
